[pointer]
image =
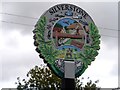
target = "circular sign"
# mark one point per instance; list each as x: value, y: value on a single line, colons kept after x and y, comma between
x: 66, y: 32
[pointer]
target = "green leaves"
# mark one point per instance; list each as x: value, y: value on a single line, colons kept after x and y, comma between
x: 39, y: 31
x: 95, y: 36
x: 45, y: 47
x: 42, y: 78
x: 90, y: 51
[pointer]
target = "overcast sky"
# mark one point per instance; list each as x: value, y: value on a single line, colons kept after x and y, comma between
x: 18, y: 55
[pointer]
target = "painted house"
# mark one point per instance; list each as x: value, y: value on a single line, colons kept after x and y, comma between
x: 77, y: 27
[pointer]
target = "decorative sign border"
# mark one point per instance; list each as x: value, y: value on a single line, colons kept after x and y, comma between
x: 49, y: 53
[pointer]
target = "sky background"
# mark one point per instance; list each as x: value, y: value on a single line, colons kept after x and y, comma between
x: 17, y: 52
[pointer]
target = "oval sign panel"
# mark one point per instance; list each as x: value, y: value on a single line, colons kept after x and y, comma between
x: 66, y: 32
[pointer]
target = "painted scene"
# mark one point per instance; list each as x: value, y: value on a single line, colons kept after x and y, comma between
x: 69, y: 38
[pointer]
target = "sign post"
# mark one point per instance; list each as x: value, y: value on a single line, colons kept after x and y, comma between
x: 68, y: 81
x: 67, y: 39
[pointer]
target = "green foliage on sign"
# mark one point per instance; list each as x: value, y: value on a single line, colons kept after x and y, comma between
x: 91, y: 51
x: 45, y: 48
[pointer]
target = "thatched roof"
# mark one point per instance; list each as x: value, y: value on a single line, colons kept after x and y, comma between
x: 75, y: 25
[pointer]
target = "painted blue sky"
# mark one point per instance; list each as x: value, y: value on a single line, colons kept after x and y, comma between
x: 68, y: 20
x: 68, y: 46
